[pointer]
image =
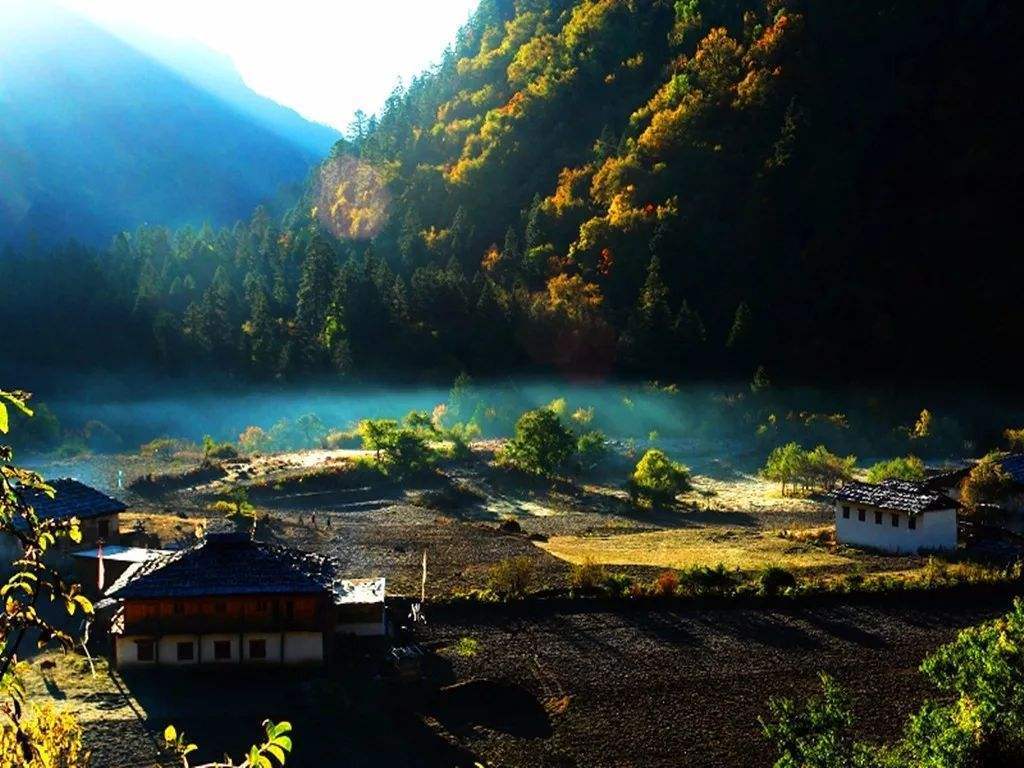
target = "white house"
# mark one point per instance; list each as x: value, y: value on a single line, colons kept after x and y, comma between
x: 894, y: 516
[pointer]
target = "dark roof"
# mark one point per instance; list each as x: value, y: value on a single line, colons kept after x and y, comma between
x: 227, y: 564
x: 72, y: 499
x: 898, y: 495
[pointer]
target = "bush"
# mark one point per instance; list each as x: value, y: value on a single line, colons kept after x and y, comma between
x: 212, y: 450
x: 617, y: 584
x: 396, y: 447
x: 979, y: 722
x: 254, y: 440
x: 511, y: 578
x: 702, y: 581
x: 986, y: 482
x: 909, y: 468
x: 541, y: 444
x: 666, y: 584
x: 341, y: 438
x: 587, y: 577
x: 791, y: 465
x: 658, y: 479
x: 164, y: 447
x: 775, y: 580
x: 591, y: 448
x: 56, y: 738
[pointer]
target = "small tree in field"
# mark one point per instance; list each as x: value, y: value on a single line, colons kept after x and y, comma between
x: 542, y: 444
x: 785, y: 465
x: 909, y: 468
x: 985, y: 483
x: 1014, y: 438
x: 657, y: 479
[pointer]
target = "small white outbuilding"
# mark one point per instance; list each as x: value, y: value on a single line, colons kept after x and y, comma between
x: 894, y: 516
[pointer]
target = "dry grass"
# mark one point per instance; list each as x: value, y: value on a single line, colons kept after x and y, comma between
x: 747, y: 493
x: 688, y: 547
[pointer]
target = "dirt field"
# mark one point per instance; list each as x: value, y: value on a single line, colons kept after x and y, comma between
x: 567, y: 685
x: 325, y: 501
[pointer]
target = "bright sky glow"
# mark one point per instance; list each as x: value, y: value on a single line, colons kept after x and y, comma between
x: 323, y: 58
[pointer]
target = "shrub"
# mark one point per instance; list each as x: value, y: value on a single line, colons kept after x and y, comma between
x: 704, y: 581
x: 774, y: 580
x: 395, y: 447
x: 591, y: 448
x: 341, y: 438
x: 666, y: 584
x: 511, y: 578
x: 587, y: 577
x: 461, y: 435
x: 56, y: 739
x: 164, y: 447
x: 254, y: 440
x: 212, y: 450
x: 1014, y: 438
x: 986, y: 482
x: 617, y: 584
x: 541, y: 444
x: 657, y: 478
x: 909, y: 468
x: 466, y: 647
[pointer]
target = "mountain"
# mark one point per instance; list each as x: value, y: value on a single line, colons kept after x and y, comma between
x: 96, y: 137
x: 215, y: 74
x: 657, y: 189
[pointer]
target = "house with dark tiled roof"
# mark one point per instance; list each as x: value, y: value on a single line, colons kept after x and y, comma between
x: 231, y: 600
x: 894, y: 516
x: 98, y: 514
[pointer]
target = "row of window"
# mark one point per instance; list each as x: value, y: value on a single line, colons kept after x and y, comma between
x: 862, y: 515
x: 145, y: 650
x: 221, y: 607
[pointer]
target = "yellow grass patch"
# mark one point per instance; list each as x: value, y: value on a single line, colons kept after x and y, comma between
x: 685, y: 548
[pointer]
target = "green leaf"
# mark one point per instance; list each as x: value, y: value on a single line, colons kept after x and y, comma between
x: 170, y: 734
x: 284, y: 742
x: 277, y: 752
x: 85, y: 602
x: 276, y: 730
x: 3, y: 419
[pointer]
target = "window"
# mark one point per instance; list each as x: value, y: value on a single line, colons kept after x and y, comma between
x: 222, y: 650
x: 878, y: 517
x: 860, y: 515
x: 289, y: 609
x: 186, y: 651
x: 895, y: 520
x: 846, y: 512
x: 257, y: 649
x: 912, y: 522
x: 220, y: 607
x: 104, y: 529
x: 179, y: 608
x: 144, y: 650
x: 261, y: 605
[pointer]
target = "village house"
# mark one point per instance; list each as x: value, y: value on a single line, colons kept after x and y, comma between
x: 98, y: 514
x: 894, y: 516
x: 225, y: 600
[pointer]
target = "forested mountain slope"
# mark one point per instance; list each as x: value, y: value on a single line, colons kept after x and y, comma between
x: 96, y: 137
x: 652, y: 188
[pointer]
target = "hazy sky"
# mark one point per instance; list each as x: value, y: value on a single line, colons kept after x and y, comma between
x: 323, y: 58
